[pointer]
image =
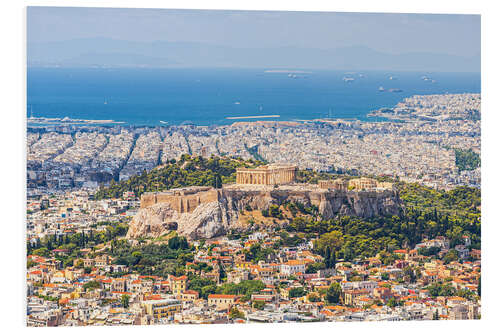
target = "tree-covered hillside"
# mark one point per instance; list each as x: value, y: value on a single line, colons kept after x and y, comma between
x: 427, y: 213
x: 466, y: 159
x: 187, y: 171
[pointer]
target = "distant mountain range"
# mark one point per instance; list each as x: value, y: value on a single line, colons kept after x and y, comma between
x: 104, y: 52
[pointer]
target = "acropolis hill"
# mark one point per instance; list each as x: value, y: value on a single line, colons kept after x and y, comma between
x: 206, y: 212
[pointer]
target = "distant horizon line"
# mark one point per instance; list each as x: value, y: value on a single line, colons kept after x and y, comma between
x: 266, y: 70
x: 158, y: 41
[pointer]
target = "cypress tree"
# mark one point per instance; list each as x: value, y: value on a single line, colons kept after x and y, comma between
x: 327, y: 257
x: 218, y: 181
x: 435, y: 316
x: 332, y: 259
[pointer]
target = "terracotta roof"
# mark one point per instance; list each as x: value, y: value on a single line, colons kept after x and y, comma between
x: 222, y: 296
x: 155, y: 297
x: 180, y: 278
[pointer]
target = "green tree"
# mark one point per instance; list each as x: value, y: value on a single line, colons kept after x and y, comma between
x: 275, y: 211
x: 333, y: 240
x: 392, y: 302
x: 409, y: 274
x: 91, y: 285
x: 451, y: 255
x: 79, y: 263
x: 332, y: 259
x: 234, y: 313
x: 441, y: 289
x: 218, y: 181
x: 328, y: 252
x: 42, y: 252
x: 333, y: 293
x: 313, y: 297
x: 125, y: 301
x: 314, y: 267
x: 177, y: 242
x: 30, y: 263
x: 466, y: 159
x: 259, y: 305
x: 297, y: 292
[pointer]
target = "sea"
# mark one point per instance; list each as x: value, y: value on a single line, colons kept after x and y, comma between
x: 162, y: 97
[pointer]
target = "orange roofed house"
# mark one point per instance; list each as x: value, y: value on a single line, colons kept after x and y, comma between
x: 178, y: 284
x: 293, y: 267
x: 222, y: 301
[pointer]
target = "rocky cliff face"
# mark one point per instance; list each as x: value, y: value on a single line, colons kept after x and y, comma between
x: 215, y: 218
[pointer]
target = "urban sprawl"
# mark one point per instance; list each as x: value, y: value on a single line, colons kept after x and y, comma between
x: 83, y: 269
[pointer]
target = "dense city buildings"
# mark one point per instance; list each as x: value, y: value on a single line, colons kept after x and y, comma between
x: 288, y: 283
x: 423, y: 148
x: 324, y: 220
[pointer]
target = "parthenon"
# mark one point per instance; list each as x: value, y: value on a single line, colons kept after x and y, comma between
x: 272, y: 174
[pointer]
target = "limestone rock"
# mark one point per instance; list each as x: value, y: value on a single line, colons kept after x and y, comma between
x: 211, y: 213
x: 152, y: 221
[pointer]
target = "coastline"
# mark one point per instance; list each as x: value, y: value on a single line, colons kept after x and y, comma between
x: 246, y: 95
x: 254, y: 117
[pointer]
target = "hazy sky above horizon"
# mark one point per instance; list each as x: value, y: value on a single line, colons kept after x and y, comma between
x: 390, y: 33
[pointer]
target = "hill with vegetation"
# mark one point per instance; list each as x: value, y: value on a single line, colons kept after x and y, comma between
x: 427, y: 212
x: 466, y: 159
x: 187, y: 171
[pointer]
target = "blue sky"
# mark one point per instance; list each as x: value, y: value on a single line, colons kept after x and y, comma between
x: 454, y: 35
x: 391, y: 33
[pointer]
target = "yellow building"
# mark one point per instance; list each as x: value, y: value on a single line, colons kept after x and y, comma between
x: 243, y: 265
x: 178, y: 284
x: 163, y: 308
x: 71, y: 274
x: 222, y: 301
